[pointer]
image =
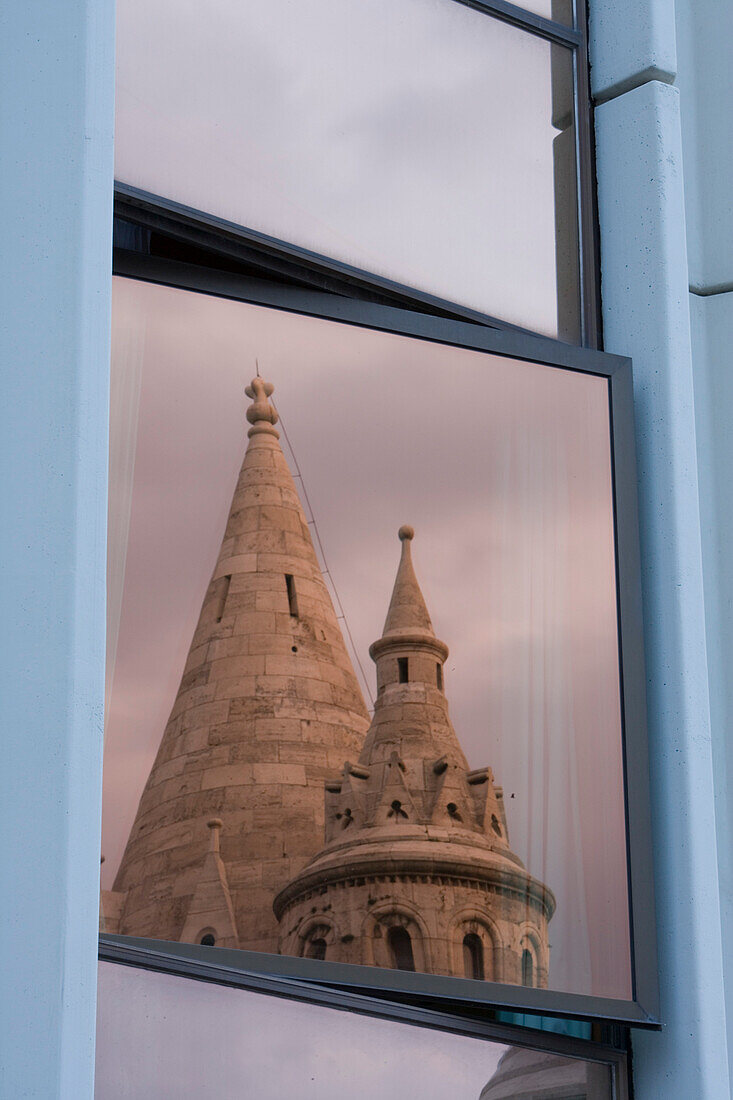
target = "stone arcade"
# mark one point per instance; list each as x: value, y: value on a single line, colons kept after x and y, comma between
x: 404, y: 860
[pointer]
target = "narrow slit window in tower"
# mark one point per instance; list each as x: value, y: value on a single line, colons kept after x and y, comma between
x: 402, y: 669
x: 439, y: 676
x: 316, y: 949
x: 400, y: 948
x: 473, y: 956
x: 292, y: 598
x: 527, y: 968
x: 221, y: 589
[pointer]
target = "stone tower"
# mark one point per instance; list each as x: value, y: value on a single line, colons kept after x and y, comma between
x: 267, y: 707
x: 417, y: 872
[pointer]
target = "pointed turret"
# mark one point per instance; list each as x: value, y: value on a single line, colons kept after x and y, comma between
x: 268, y: 705
x: 417, y: 872
x: 410, y: 671
x: 407, y: 612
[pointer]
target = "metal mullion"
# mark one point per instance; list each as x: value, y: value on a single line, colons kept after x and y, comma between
x: 586, y: 202
x: 548, y: 29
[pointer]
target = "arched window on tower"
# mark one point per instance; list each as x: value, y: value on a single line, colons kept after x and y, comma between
x: 208, y: 940
x: 314, y: 944
x: 316, y: 949
x: 400, y: 948
x: 473, y: 956
x: 527, y: 968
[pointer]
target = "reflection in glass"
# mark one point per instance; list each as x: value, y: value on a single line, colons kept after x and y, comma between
x: 400, y: 948
x: 277, y: 813
x: 561, y: 11
x: 537, y: 1075
x: 527, y: 968
x: 424, y: 142
x: 473, y: 956
x: 176, y: 1039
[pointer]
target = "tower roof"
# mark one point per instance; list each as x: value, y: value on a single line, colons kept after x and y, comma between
x: 407, y: 612
x: 408, y: 621
x: 267, y: 706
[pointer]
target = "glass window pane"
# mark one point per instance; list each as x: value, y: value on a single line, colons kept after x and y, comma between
x: 260, y: 622
x: 561, y: 11
x: 167, y: 1037
x: 424, y: 142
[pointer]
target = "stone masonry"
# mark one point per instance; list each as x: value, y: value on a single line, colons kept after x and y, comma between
x: 417, y: 872
x: 267, y: 707
x: 406, y: 863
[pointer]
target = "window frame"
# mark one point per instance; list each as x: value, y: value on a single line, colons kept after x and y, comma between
x: 643, y: 1008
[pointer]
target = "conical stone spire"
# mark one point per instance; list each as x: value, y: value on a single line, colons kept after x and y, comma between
x: 407, y: 612
x: 268, y: 705
x: 416, y: 843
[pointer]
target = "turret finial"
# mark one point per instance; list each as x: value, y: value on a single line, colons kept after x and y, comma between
x: 407, y: 611
x: 261, y: 414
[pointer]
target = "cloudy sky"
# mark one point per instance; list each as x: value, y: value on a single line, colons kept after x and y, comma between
x: 503, y: 469
x: 318, y: 1053
x: 414, y: 139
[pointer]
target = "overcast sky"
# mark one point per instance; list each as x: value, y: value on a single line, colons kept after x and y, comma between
x: 414, y: 139
x: 502, y: 468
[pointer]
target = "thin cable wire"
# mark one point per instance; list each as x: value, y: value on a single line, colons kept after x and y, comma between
x: 325, y: 571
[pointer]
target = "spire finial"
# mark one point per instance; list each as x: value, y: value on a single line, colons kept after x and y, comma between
x: 407, y: 611
x: 261, y: 414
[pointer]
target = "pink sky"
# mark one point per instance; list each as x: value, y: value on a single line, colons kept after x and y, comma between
x: 502, y: 467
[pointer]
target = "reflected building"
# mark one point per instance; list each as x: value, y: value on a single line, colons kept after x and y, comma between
x: 417, y: 872
x: 538, y: 1075
x: 404, y: 859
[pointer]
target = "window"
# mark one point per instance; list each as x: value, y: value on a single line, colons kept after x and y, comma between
x: 400, y: 946
x: 292, y: 598
x: 316, y: 949
x: 260, y: 1043
x: 409, y: 191
x: 473, y: 956
x: 262, y: 717
x: 380, y: 340
x: 527, y: 968
x: 208, y: 940
x: 219, y: 596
